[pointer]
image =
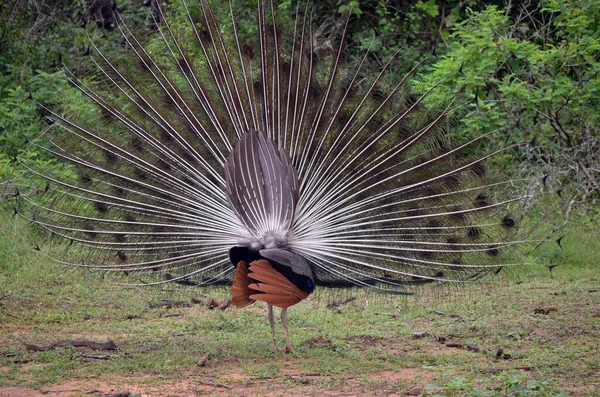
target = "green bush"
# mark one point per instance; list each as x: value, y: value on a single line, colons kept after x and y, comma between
x: 538, y: 77
x: 36, y: 38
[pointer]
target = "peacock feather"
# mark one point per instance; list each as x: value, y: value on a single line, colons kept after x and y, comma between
x: 212, y: 156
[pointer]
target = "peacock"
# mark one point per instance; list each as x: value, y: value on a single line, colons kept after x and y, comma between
x: 269, y: 162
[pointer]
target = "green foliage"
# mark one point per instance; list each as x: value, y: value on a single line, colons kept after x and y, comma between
x: 17, y: 115
x: 36, y: 38
x: 541, y: 73
x: 429, y: 7
x: 20, y: 113
x: 538, y: 67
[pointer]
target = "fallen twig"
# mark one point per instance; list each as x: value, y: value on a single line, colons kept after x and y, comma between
x: 297, y: 378
x: 125, y: 393
x: 108, y: 345
x: 439, y: 313
x: 318, y: 341
x: 169, y: 304
x: 306, y: 374
x: 472, y: 348
x: 172, y: 315
x: 340, y: 302
x: 97, y: 356
x: 213, y: 384
x: 499, y: 354
x: 21, y: 361
x: 520, y: 368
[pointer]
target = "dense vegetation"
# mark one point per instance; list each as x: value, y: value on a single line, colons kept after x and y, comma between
x: 532, y: 68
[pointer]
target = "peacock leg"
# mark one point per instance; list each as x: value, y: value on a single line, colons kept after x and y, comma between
x: 272, y: 322
x: 288, y: 347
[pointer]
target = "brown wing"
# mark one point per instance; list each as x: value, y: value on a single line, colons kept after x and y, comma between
x: 270, y: 286
x: 239, y: 290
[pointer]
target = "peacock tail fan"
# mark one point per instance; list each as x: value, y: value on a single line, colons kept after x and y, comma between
x: 379, y: 196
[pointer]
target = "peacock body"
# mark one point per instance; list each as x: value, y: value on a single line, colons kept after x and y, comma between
x: 270, y: 163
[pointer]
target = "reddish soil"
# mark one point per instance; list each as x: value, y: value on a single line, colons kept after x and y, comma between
x: 233, y: 384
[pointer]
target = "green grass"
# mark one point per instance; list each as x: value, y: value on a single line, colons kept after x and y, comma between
x: 364, y: 348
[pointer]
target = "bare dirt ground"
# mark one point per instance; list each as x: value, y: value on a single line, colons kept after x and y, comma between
x: 230, y: 384
x: 224, y: 378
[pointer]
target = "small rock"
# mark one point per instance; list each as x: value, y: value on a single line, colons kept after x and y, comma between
x: 415, y: 391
